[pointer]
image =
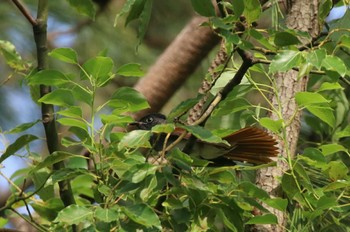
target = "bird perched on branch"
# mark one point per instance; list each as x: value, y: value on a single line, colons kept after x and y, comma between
x: 249, y: 144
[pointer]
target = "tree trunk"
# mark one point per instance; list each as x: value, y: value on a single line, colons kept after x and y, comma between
x: 176, y: 64
x: 302, y: 15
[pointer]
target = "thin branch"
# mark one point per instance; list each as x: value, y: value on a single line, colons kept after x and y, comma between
x: 47, y: 110
x: 25, y: 11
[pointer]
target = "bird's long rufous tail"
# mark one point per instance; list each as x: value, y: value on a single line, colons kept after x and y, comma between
x: 252, y: 145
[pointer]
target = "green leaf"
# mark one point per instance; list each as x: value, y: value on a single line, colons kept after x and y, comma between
x: 337, y: 170
x: 135, y: 139
x: 22, y: 127
x: 182, y: 160
x: 73, y: 122
x: 313, y: 157
x: 344, y: 133
x: 135, y: 10
x: 277, y: 203
x: 285, y: 60
x: 329, y: 149
x: 344, y: 41
x: 48, y: 209
x: 67, y: 55
x: 252, y: 10
x: 18, y: 144
x: 74, y: 214
x: 232, y: 106
x: 142, y: 214
x: 285, y: 39
x: 84, y: 7
x: 145, y: 18
x: 324, y: 9
x: 326, y: 114
x: 68, y: 173
x: 339, y: 184
x: 334, y: 63
x: 99, y: 69
x: 252, y: 190
x: 315, y: 57
x: 204, y: 7
x: 329, y: 86
x: 48, y: 77
x: 272, y: 125
x: 58, y: 97
x: 139, y: 172
x: 128, y: 99
x: 150, y: 189
x: 131, y: 69
x: 11, y: 56
x: 203, y: 134
x: 73, y: 111
x: 183, y: 107
x: 238, y: 8
x: 53, y: 158
x: 106, y: 215
x: 163, y: 128
x: 82, y: 94
x: 308, y: 98
x: 288, y: 185
x: 326, y: 203
x: 263, y: 219
x: 125, y: 9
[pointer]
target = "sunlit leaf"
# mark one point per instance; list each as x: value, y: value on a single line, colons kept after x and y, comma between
x: 272, y: 125
x: 73, y: 122
x: 67, y: 55
x: 326, y: 114
x: 135, y: 138
x: 12, y: 57
x: 48, y: 77
x: 329, y: 86
x: 308, y: 98
x: 334, y: 63
x: 285, y: 60
x: 74, y: 214
x: 106, y: 215
x: 131, y: 69
x: 252, y: 10
x: 128, y: 99
x: 329, y: 149
x: 315, y: 57
x: 73, y: 111
x: 58, y: 97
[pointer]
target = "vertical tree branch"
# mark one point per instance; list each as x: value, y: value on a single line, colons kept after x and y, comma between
x: 303, y: 16
x: 40, y: 37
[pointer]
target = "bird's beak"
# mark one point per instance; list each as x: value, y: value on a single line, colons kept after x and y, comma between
x: 136, y: 123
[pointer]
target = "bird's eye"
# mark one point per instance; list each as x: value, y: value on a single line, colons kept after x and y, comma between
x: 149, y: 120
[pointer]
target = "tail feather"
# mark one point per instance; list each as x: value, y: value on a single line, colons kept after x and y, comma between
x: 252, y: 145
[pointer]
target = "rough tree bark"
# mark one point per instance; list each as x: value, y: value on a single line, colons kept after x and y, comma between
x: 302, y: 15
x: 176, y: 64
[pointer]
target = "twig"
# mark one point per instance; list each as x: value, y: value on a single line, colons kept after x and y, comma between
x: 25, y: 12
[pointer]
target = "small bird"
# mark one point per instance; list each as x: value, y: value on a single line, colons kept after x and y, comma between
x: 249, y: 144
